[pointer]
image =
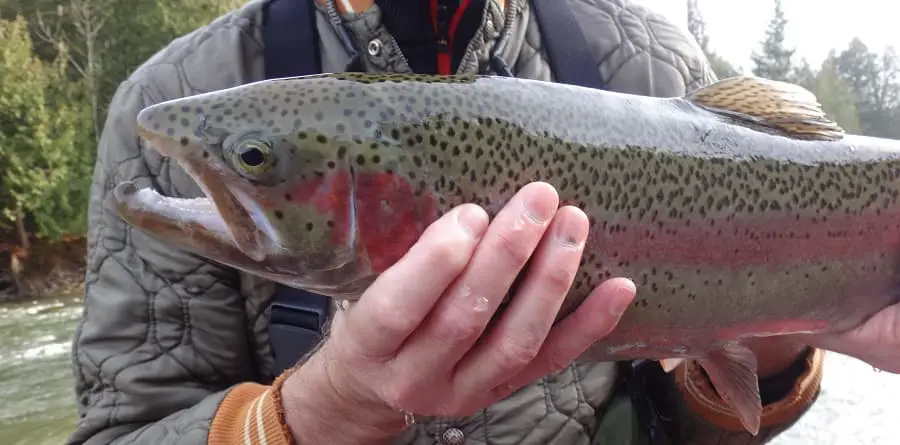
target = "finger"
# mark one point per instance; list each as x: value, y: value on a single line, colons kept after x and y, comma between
x: 591, y: 322
x: 518, y: 335
x: 402, y: 296
x: 462, y: 313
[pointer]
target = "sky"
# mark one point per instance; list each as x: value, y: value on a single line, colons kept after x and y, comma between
x: 736, y: 27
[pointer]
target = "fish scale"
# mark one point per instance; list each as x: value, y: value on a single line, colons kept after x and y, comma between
x: 739, y: 210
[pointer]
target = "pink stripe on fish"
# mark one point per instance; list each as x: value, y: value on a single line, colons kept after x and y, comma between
x: 743, y: 242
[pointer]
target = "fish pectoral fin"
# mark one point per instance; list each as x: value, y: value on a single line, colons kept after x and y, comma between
x: 732, y: 370
x: 758, y: 103
x: 669, y: 364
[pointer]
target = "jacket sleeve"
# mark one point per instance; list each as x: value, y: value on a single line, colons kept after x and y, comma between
x: 651, y: 56
x: 163, y: 336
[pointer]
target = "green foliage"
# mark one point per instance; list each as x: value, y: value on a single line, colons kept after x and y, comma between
x: 38, y: 133
x: 874, y: 80
x: 774, y: 60
x: 837, y: 98
x: 141, y: 28
x: 62, y: 61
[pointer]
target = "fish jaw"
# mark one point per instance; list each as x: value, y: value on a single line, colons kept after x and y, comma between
x: 208, y: 171
x: 193, y: 223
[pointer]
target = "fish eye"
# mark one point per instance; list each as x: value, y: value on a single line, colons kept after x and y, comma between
x: 254, y: 157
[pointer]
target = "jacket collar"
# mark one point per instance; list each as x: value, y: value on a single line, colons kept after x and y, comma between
x: 379, y: 51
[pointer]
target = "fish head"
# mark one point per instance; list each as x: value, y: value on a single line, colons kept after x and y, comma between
x: 278, y: 188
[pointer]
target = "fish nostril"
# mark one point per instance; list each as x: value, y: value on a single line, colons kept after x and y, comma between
x: 125, y: 191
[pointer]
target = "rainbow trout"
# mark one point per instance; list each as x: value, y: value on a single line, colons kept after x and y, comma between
x: 740, y: 210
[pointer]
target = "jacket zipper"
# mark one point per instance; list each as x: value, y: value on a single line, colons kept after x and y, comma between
x: 445, y: 28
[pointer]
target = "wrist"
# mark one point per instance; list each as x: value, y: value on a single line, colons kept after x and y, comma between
x: 319, y: 409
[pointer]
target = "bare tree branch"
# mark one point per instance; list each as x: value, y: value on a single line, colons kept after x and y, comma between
x: 87, y: 19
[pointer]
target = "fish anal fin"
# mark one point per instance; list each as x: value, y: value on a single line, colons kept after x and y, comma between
x: 669, y: 364
x: 732, y: 370
x: 786, y: 108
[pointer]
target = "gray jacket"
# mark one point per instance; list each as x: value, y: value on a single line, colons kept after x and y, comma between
x: 166, y: 334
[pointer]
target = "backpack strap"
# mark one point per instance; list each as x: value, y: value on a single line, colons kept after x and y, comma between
x: 290, y: 39
x: 297, y: 317
x: 567, y: 48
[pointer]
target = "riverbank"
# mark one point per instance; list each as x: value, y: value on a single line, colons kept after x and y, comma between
x: 48, y: 269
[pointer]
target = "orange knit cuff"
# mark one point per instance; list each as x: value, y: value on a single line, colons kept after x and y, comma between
x: 703, y: 399
x: 251, y: 414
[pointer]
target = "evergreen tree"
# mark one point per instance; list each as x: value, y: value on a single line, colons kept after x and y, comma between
x: 38, y: 133
x: 774, y: 59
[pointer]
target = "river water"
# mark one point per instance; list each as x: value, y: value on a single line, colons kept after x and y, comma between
x: 858, y: 404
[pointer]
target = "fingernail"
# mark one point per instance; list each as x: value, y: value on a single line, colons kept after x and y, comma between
x: 569, y: 232
x: 472, y: 219
x: 537, y: 209
x: 621, y: 298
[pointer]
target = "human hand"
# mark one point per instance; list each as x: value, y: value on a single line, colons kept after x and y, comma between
x: 876, y: 342
x: 417, y: 341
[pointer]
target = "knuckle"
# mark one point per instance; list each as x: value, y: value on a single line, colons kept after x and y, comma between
x: 516, y: 353
x: 559, y: 276
x: 448, y: 253
x: 516, y: 248
x: 455, y: 327
x: 390, y: 318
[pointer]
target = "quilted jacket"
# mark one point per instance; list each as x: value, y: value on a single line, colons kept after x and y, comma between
x: 166, y: 336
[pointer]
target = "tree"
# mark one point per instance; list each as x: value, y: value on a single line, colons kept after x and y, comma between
x: 697, y: 27
x: 38, y: 133
x: 804, y: 75
x: 78, y: 25
x: 774, y: 59
x: 836, y: 98
x: 874, y: 80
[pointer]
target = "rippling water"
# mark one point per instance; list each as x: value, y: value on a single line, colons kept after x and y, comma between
x: 37, y: 406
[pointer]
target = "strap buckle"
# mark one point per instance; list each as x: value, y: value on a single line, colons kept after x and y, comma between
x: 297, y: 319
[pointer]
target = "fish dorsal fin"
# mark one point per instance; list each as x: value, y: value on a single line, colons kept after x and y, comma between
x: 788, y: 109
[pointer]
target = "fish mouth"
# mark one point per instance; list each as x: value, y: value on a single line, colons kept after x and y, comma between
x: 225, y: 211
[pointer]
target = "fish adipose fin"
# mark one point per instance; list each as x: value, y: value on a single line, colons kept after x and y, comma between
x: 762, y: 104
x: 732, y: 371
